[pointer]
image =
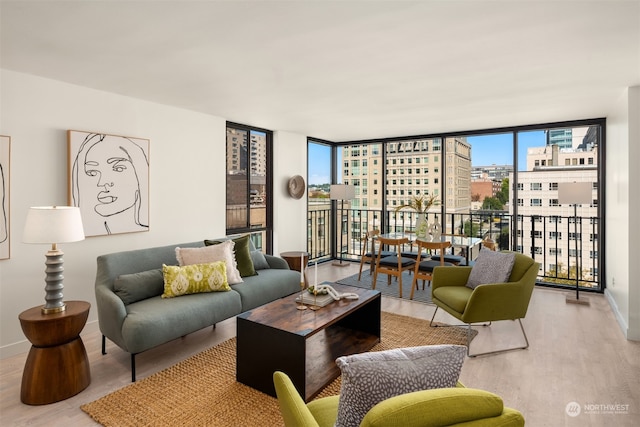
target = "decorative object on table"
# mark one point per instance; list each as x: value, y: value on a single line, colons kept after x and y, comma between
x: 57, y: 366
x: 421, y: 205
x: 301, y: 305
x: 5, y: 164
x: 53, y: 225
x: 315, y: 302
x: 296, y: 187
x: 575, y: 193
x: 108, y: 180
x: 341, y: 192
x: 435, y: 231
x: 314, y: 289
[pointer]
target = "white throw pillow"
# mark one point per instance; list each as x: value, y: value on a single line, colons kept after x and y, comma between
x: 370, y: 378
x: 207, y: 254
x: 491, y: 267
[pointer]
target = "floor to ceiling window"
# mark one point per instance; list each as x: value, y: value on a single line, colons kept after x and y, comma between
x: 319, y: 179
x: 563, y: 239
x: 248, y: 183
x: 499, y: 184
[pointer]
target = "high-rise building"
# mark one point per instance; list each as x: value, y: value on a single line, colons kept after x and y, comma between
x: 412, y: 169
x: 546, y: 231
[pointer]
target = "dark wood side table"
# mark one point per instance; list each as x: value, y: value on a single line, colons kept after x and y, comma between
x: 57, y: 366
x: 293, y: 259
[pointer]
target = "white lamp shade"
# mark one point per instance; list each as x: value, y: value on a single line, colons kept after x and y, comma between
x: 53, y: 224
x: 574, y: 193
x: 342, y: 192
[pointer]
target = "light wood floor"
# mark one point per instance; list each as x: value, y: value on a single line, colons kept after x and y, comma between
x: 576, y: 354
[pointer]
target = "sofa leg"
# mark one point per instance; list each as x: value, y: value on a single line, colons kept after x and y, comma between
x: 104, y: 345
x: 133, y: 367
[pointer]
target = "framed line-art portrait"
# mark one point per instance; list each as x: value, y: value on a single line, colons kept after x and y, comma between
x: 5, y: 166
x: 108, y: 177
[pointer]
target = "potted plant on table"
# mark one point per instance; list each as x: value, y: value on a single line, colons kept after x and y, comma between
x: 421, y: 205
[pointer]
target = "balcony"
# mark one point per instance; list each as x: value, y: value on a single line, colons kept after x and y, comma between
x: 550, y: 240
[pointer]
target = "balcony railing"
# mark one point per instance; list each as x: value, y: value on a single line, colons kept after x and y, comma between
x: 550, y: 240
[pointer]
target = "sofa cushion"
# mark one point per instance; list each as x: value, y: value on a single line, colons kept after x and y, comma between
x: 241, y: 252
x: 259, y: 261
x: 157, y: 320
x: 194, y: 279
x: 369, y: 378
x: 206, y: 254
x: 138, y: 286
x: 491, y: 267
x: 269, y: 285
x: 455, y: 297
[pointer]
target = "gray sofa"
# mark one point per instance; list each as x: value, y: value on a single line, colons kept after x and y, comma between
x: 141, y: 319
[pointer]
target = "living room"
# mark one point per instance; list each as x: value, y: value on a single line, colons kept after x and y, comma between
x: 40, y: 102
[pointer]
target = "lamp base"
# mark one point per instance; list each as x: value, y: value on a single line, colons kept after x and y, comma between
x: 339, y: 264
x: 571, y: 299
x: 53, y: 310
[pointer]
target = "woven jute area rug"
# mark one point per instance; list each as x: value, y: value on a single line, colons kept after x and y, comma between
x: 202, y: 390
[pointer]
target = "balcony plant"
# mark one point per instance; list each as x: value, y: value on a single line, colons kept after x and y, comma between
x: 421, y: 205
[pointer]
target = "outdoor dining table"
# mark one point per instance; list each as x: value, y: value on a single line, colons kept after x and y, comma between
x: 465, y: 243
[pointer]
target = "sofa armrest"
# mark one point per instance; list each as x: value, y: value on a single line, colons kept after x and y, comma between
x: 436, y: 407
x: 111, y: 315
x: 276, y: 262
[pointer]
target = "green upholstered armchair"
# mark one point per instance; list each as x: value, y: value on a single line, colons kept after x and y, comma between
x: 458, y: 406
x: 487, y: 302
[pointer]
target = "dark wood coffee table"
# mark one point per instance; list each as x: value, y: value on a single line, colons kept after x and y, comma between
x: 304, y: 343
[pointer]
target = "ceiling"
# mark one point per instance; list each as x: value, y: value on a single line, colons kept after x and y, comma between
x: 339, y: 70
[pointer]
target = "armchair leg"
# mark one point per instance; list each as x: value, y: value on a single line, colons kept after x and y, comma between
x: 433, y: 317
x: 468, y: 325
x: 447, y: 326
x: 524, y: 334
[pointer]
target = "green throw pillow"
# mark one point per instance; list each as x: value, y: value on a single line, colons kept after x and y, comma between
x: 138, y: 286
x: 194, y: 278
x: 242, y: 253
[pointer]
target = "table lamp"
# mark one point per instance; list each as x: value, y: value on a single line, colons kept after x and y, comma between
x: 53, y: 225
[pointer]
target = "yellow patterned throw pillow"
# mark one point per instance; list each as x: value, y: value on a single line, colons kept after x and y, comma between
x: 194, y: 278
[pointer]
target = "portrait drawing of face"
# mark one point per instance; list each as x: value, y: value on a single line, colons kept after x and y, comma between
x: 110, y: 184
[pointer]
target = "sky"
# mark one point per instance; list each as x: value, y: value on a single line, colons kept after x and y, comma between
x: 319, y: 164
x: 486, y: 150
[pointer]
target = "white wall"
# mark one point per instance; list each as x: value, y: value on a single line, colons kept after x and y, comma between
x: 623, y: 204
x: 187, y: 175
x: 289, y: 215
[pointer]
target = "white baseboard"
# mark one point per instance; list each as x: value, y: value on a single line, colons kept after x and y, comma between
x: 616, y: 312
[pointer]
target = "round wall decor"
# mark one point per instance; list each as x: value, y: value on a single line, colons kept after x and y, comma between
x: 296, y: 186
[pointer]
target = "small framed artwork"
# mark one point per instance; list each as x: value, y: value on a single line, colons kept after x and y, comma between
x: 108, y: 178
x: 5, y: 167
